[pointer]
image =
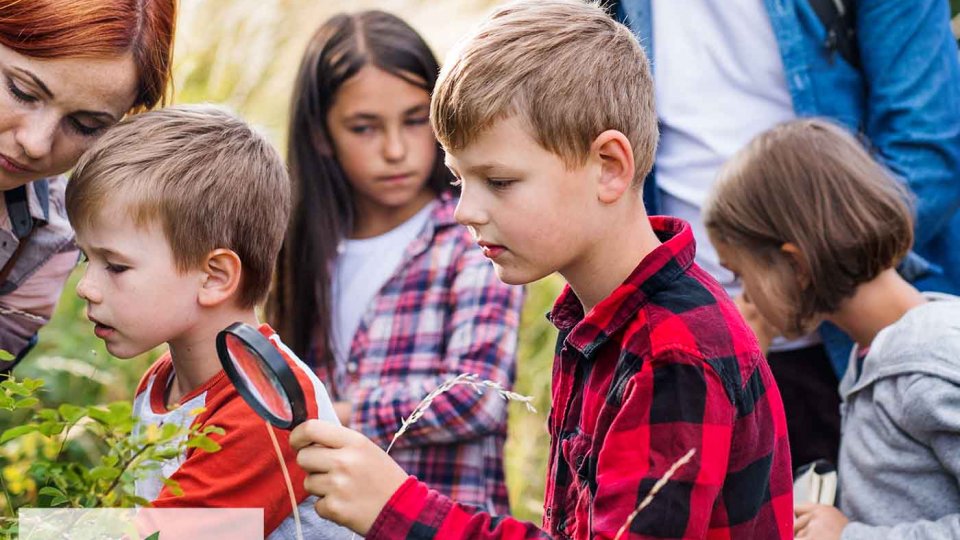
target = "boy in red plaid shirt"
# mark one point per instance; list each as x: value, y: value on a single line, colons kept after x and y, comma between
x: 547, y: 117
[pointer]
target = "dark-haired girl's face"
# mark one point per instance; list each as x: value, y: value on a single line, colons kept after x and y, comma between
x: 380, y: 130
x: 51, y: 110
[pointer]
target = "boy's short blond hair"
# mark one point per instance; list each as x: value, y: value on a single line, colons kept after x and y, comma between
x: 209, y: 178
x: 564, y: 66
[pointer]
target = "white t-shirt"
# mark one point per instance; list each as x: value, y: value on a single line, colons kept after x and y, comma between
x: 719, y: 82
x: 363, y: 267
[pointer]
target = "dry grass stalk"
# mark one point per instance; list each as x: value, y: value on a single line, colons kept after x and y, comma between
x: 464, y: 378
x: 286, y: 479
x: 653, y: 492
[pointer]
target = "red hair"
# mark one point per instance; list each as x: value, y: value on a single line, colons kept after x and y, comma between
x: 97, y: 28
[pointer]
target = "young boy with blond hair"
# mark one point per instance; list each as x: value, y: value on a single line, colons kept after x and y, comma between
x: 180, y: 214
x: 546, y: 113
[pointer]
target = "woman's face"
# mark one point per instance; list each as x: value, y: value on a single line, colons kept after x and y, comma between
x: 51, y: 110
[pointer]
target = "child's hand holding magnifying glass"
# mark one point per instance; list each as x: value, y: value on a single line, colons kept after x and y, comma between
x: 353, y: 477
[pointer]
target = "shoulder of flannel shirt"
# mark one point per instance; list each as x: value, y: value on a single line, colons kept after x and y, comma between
x: 416, y: 511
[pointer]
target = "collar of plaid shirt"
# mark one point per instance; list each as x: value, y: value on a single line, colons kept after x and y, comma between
x: 662, y: 365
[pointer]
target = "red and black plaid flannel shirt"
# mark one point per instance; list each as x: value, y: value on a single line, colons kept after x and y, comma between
x: 664, y: 364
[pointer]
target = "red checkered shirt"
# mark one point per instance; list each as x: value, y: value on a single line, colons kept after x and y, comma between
x: 664, y: 364
x: 444, y: 312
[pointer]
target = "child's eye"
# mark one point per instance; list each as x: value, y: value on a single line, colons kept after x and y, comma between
x: 499, y: 183
x: 117, y: 268
x: 360, y: 130
x: 19, y: 94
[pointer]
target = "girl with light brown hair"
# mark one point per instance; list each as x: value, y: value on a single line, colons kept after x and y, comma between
x: 815, y: 229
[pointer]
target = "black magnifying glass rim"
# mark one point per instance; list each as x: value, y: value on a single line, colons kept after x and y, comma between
x: 262, y: 347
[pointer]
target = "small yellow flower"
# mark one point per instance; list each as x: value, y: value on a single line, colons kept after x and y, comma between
x: 153, y: 433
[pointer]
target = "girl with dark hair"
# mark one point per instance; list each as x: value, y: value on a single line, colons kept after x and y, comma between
x: 69, y: 69
x: 378, y: 288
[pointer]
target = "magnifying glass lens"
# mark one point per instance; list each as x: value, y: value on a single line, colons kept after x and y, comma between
x: 260, y: 381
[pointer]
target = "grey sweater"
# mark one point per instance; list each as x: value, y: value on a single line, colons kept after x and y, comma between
x: 899, y: 466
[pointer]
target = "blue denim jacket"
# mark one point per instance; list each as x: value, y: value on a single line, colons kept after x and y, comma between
x: 905, y: 100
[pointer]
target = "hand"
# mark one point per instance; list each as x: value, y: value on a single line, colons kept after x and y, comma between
x: 764, y: 331
x: 343, y: 410
x: 818, y: 522
x: 350, y: 474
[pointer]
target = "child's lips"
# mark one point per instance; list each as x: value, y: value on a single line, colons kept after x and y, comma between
x: 492, y: 251
x: 101, y: 330
x: 395, y: 177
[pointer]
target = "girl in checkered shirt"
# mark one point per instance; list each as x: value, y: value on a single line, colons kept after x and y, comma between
x: 378, y: 287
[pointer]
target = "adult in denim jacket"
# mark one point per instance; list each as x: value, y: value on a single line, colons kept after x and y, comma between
x: 905, y: 99
x: 69, y: 70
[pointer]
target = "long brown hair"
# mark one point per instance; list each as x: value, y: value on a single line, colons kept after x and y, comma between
x: 97, y: 28
x: 300, y: 307
x: 811, y: 183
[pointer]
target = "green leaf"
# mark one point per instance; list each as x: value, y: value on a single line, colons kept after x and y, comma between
x: 214, y: 429
x: 140, y: 501
x: 100, y: 415
x: 154, y: 536
x: 51, y: 491
x: 103, y: 473
x: 204, y: 443
x: 174, y: 487
x: 48, y: 414
x: 15, y: 432
x: 71, y: 413
x: 26, y: 403
x: 5, y: 356
x: 6, y: 402
x: 168, y: 452
x: 33, y: 384
x: 120, y: 411
x: 169, y: 431
x: 16, y: 389
x: 51, y: 428
x: 110, y: 460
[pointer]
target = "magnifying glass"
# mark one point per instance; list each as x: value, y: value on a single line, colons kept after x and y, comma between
x: 261, y: 375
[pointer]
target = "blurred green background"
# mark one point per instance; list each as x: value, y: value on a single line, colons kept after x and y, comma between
x: 244, y: 53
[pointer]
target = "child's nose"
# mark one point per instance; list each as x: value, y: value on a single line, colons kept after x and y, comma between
x: 87, y: 291
x: 394, y: 147
x: 468, y: 211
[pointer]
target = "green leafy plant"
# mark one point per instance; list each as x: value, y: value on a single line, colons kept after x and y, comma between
x: 81, y: 456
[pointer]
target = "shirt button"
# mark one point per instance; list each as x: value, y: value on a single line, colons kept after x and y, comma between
x: 351, y: 367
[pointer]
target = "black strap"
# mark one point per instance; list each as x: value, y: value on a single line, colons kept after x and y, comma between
x: 19, y: 211
x: 839, y: 18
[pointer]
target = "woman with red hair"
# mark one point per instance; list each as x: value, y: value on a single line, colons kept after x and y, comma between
x: 69, y: 69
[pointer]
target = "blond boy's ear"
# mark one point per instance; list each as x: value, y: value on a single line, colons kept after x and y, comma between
x: 221, y: 280
x: 616, y: 165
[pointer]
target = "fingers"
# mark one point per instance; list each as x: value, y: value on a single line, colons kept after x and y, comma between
x: 322, y: 433
x: 801, y: 523
x: 316, y: 459
x: 804, y: 508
